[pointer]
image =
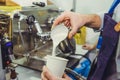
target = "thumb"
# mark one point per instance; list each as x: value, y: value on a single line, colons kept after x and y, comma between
x: 66, y: 77
x: 72, y: 33
x: 48, y: 74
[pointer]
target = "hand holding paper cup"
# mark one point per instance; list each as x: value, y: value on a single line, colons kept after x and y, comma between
x: 56, y: 65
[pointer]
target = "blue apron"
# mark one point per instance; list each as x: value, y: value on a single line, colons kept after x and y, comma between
x: 106, y: 63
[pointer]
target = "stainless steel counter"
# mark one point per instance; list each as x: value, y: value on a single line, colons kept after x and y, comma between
x: 27, y: 74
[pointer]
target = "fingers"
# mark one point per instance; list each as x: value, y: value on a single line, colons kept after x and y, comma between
x: 66, y: 77
x: 67, y: 23
x: 47, y: 75
x: 43, y: 77
x: 43, y: 74
x: 67, y: 19
x: 60, y: 19
x: 84, y: 47
x: 88, y: 46
x: 72, y: 32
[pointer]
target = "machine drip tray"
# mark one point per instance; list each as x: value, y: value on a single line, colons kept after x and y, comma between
x: 36, y: 59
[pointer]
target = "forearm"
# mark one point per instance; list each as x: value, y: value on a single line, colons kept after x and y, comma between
x: 93, y: 21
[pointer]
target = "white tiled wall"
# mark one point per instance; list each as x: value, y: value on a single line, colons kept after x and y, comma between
x: 84, y: 6
x: 93, y: 6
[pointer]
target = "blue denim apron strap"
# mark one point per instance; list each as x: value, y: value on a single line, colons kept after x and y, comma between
x: 114, y: 4
x: 105, y: 65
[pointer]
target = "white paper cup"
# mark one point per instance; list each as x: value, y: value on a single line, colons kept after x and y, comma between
x: 56, y: 65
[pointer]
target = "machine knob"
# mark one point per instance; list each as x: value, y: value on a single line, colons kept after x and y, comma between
x: 41, y: 4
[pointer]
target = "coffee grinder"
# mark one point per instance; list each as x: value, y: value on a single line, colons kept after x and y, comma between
x: 6, y: 46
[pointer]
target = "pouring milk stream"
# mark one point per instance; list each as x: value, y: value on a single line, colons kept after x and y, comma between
x: 58, y: 34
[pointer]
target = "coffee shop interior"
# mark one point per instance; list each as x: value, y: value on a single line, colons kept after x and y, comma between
x: 26, y: 37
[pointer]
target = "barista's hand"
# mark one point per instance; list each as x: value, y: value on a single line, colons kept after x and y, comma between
x: 88, y: 46
x: 71, y: 20
x: 47, y: 75
x: 75, y: 20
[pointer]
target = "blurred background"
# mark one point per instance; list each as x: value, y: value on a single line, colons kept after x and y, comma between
x: 25, y: 27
